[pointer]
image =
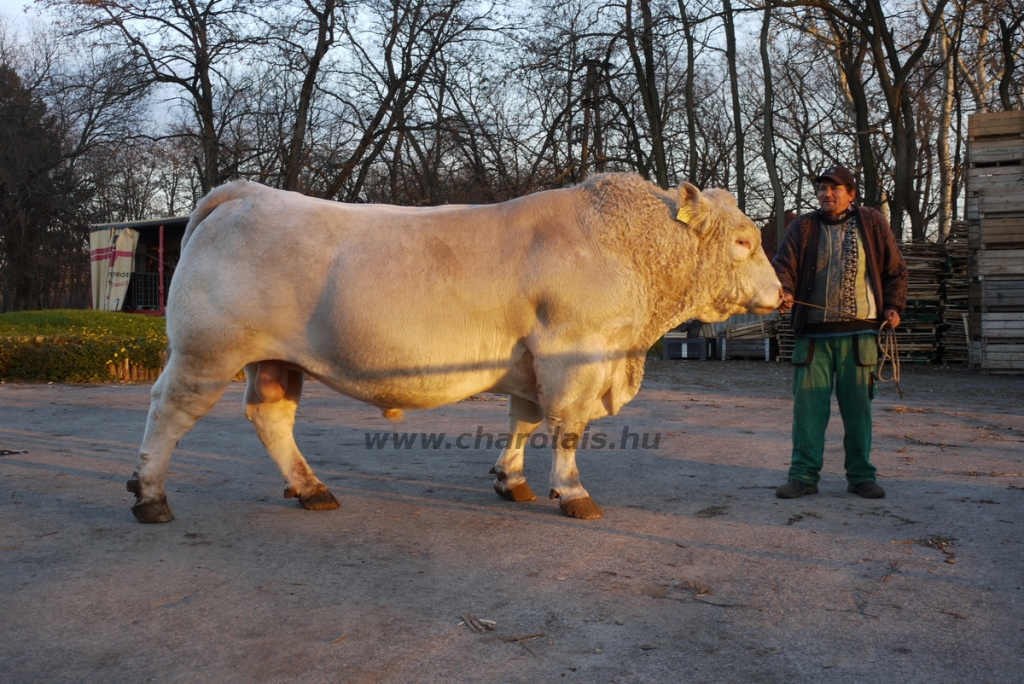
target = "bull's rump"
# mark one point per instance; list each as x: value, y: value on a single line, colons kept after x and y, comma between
x: 403, y: 307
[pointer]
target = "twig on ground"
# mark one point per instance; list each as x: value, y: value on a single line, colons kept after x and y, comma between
x: 475, y: 624
x: 521, y: 640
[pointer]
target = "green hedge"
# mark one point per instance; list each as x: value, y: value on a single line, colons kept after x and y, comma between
x: 80, y: 346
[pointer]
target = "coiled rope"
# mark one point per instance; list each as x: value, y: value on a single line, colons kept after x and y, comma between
x: 888, y: 347
x: 889, y: 350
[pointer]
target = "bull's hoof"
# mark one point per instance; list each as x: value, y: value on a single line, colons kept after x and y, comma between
x: 319, y: 499
x: 583, y: 508
x: 518, y: 493
x: 153, y: 511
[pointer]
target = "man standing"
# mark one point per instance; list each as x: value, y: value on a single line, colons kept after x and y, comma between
x: 843, y: 267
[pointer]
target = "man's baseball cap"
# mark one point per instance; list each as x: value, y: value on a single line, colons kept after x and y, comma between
x: 838, y: 175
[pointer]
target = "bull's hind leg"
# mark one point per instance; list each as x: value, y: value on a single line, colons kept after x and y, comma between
x: 185, y: 391
x: 524, y: 417
x: 272, y: 396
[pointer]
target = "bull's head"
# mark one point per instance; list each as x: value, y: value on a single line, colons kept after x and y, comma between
x: 741, y: 279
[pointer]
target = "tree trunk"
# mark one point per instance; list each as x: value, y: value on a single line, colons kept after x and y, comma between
x: 737, y: 119
x: 690, y: 104
x: 324, y: 40
x: 768, y: 149
x: 944, y: 124
x: 1009, y: 52
x: 641, y: 51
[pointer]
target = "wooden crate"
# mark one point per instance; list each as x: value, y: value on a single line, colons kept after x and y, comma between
x: 1002, y: 357
x: 996, y: 190
x: 990, y: 152
x: 1004, y: 325
x: 996, y: 178
x: 993, y: 294
x: 995, y: 124
x: 1000, y: 263
x: 1000, y: 232
x: 983, y: 208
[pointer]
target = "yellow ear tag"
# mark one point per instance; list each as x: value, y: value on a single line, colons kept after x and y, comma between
x: 681, y: 217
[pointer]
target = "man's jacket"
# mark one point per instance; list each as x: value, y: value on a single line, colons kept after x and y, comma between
x: 796, y: 261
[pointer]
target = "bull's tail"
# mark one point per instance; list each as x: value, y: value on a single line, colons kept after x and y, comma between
x: 211, y: 201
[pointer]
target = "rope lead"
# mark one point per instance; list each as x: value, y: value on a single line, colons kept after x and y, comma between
x: 888, y: 348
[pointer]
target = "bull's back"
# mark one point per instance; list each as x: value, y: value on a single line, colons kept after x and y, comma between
x: 371, y: 296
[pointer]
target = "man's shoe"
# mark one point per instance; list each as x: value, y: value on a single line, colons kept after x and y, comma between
x: 794, y: 489
x: 868, y: 489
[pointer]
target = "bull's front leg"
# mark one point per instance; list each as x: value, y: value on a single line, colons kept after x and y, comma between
x: 272, y: 396
x: 524, y: 417
x: 573, y: 499
x: 570, y: 382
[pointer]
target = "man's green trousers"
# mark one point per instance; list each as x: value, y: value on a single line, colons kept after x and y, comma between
x: 845, y: 363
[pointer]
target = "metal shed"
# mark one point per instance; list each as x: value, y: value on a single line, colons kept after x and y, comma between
x: 133, y: 263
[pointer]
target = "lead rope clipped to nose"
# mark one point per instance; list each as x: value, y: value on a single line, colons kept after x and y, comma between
x: 888, y: 347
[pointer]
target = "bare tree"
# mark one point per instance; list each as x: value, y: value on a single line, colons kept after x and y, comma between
x: 184, y: 44
x: 894, y: 61
x: 393, y: 55
x: 728, y: 21
x: 948, y: 36
x: 768, y: 134
x: 303, y: 34
x: 63, y: 103
x: 640, y: 41
x: 1011, y: 44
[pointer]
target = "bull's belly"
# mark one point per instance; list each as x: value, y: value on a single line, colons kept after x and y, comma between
x: 430, y: 363
x: 389, y: 390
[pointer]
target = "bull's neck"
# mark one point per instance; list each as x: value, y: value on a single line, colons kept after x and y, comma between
x: 679, y: 284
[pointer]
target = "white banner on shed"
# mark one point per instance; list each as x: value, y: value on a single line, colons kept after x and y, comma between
x: 112, y: 252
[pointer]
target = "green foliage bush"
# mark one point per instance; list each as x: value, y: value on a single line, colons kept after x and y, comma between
x: 78, y: 346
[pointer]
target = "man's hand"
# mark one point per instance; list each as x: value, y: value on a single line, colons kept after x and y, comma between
x: 787, y: 302
x: 892, y: 318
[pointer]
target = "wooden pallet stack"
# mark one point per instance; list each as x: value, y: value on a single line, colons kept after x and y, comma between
x: 995, y: 216
x: 918, y: 333
x: 754, y: 340
x: 953, y: 336
x: 784, y: 337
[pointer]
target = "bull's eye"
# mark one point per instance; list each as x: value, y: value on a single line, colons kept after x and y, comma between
x: 742, y: 248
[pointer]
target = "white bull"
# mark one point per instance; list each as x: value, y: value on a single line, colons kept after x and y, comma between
x: 552, y: 299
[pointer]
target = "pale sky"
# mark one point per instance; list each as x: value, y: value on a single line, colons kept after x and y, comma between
x: 13, y: 9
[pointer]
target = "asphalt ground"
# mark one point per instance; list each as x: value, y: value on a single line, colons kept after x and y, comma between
x: 696, y: 573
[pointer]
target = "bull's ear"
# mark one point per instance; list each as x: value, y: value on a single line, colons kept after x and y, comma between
x: 692, y: 205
